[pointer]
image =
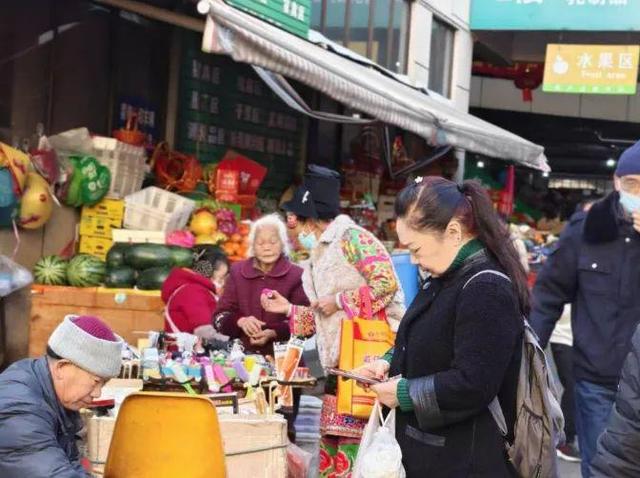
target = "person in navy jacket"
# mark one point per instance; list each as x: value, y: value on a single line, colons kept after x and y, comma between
x: 595, y: 267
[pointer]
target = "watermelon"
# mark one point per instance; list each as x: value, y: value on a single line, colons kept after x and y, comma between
x: 181, y: 256
x: 153, y: 278
x: 51, y: 270
x: 123, y: 277
x: 86, y: 271
x: 145, y: 256
x: 115, y: 256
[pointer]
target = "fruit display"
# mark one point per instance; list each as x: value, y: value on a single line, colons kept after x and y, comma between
x: 153, y: 278
x: 86, y: 271
x: 36, y: 204
x: 51, y: 270
x: 227, y: 223
x: 25, y: 195
x: 145, y: 256
x: 203, y: 223
x: 144, y: 266
x: 121, y: 277
x: 214, y: 224
x: 236, y: 247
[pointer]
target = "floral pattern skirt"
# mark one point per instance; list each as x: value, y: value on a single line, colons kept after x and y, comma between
x: 340, y: 440
x: 337, y: 456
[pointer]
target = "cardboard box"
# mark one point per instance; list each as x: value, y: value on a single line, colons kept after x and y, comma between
x: 255, y: 446
x: 95, y: 246
x: 98, y: 226
x: 107, y: 208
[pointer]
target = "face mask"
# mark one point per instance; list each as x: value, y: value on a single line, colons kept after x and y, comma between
x: 308, y: 241
x: 630, y: 202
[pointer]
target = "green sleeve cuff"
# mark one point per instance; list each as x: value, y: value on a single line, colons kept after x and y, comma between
x: 402, y: 393
x: 387, y: 357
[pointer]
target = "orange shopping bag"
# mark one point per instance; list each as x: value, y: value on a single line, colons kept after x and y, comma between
x: 363, y: 339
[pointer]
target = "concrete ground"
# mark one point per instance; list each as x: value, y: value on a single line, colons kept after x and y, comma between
x: 568, y: 470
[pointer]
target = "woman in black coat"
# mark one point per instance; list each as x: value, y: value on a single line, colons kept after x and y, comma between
x: 459, y: 344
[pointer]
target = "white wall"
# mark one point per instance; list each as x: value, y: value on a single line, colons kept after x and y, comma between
x: 456, y: 14
x: 501, y: 94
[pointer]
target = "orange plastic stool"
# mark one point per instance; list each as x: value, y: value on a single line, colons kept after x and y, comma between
x: 166, y: 435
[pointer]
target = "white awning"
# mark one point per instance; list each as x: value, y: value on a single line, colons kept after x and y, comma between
x: 364, y: 88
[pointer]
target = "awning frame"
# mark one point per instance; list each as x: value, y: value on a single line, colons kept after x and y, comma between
x: 250, y: 40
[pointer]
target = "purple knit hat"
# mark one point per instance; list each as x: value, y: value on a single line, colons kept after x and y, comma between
x: 89, y: 343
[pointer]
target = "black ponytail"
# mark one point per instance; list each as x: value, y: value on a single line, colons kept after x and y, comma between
x: 495, y: 236
x: 431, y: 203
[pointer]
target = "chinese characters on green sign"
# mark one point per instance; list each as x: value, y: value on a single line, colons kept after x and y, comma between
x: 290, y: 15
x: 224, y: 105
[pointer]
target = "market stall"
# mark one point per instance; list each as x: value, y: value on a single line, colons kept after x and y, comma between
x: 246, y: 390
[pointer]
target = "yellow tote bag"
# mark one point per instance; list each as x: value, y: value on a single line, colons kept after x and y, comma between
x: 363, y: 339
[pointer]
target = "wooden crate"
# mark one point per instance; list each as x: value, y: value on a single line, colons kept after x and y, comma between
x: 241, y: 435
x: 125, y: 311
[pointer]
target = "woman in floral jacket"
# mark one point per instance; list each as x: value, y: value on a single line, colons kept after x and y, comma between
x: 346, y: 261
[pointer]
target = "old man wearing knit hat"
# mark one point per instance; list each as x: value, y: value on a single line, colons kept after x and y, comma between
x: 40, y: 399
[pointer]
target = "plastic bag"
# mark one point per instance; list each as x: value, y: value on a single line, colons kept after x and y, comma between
x: 12, y: 276
x: 298, y: 462
x: 379, y: 455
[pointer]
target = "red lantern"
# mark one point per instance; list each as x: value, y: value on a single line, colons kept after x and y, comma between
x: 528, y: 76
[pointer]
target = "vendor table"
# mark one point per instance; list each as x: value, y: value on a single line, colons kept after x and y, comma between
x: 126, y: 311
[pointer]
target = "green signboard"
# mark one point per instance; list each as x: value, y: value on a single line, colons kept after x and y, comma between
x: 290, y: 15
x: 595, y: 15
x: 224, y: 105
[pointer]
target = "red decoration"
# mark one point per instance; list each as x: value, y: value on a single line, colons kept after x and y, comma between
x: 526, y: 76
x: 505, y: 206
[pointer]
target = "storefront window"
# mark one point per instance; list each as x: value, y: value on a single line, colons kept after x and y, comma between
x: 441, y: 58
x: 375, y: 29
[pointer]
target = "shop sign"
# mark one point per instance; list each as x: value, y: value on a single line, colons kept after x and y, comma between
x: 593, y: 15
x: 290, y: 15
x: 224, y: 105
x: 146, y: 114
x: 596, y: 69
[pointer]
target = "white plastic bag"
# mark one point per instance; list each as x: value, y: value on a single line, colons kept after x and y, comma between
x: 379, y: 455
x: 12, y: 276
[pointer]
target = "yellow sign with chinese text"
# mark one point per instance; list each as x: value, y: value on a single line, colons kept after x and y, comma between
x: 591, y: 69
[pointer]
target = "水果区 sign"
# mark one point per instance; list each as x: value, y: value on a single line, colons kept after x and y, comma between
x: 290, y: 15
x: 593, y: 15
x: 595, y: 69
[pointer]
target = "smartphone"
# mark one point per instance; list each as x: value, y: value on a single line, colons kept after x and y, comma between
x: 352, y: 376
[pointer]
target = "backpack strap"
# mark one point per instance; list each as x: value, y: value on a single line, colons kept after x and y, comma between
x: 488, y: 271
x: 494, y: 406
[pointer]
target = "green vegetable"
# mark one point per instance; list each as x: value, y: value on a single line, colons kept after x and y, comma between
x: 115, y: 256
x: 86, y: 271
x: 123, y: 277
x: 51, y: 270
x: 181, y: 256
x: 145, y: 256
x: 153, y: 278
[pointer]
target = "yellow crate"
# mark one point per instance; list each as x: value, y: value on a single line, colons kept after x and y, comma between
x: 95, y: 246
x: 98, y: 226
x: 107, y: 208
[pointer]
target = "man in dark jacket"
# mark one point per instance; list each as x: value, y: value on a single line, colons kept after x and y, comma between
x: 595, y: 268
x: 618, y: 453
x: 40, y: 399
